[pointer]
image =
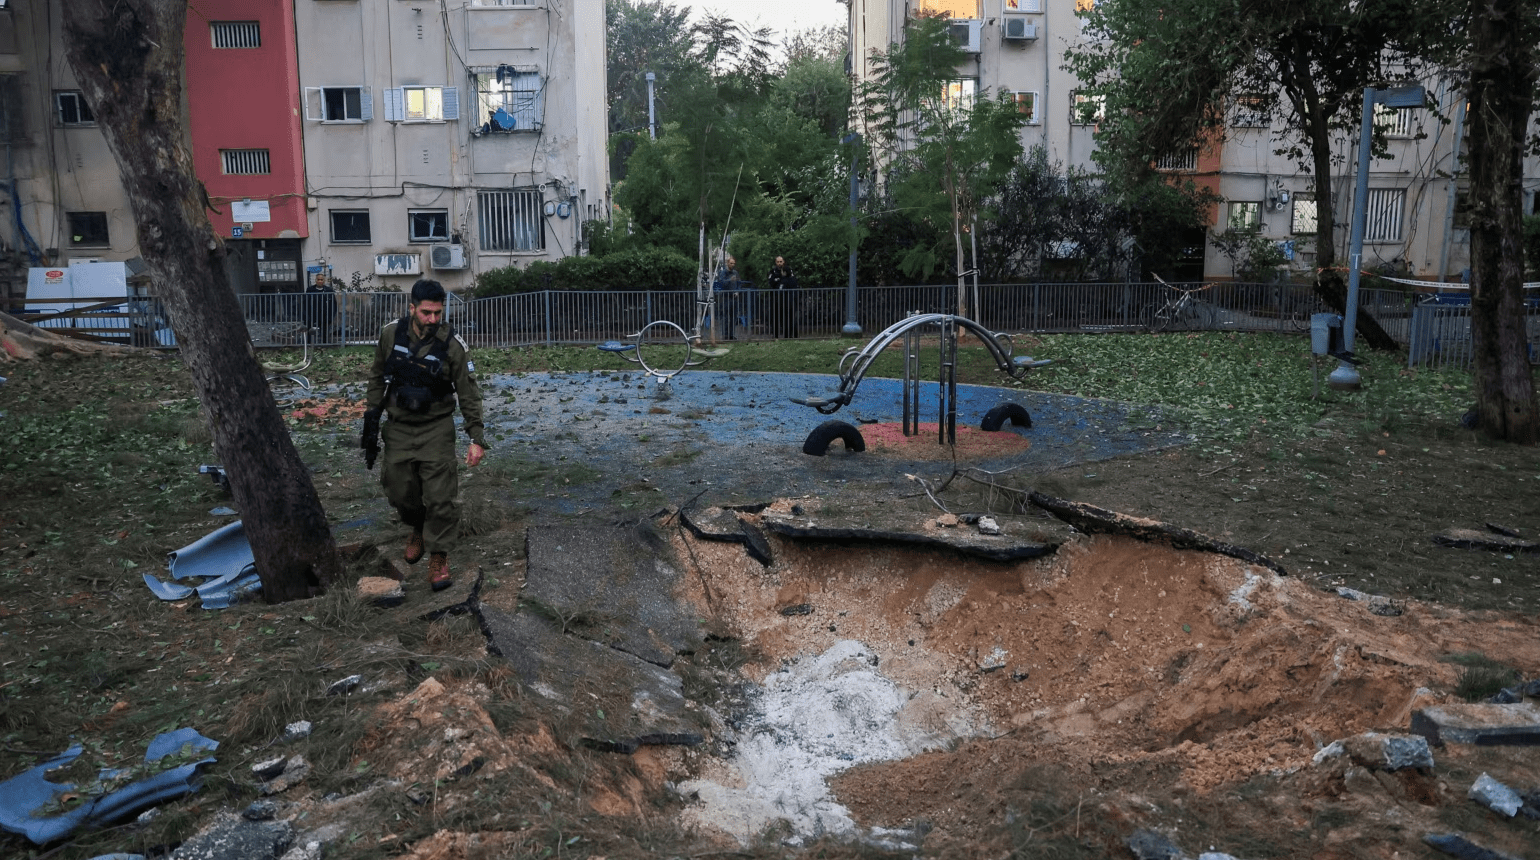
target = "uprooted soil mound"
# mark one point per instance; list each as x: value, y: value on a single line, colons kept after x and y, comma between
x: 1181, y: 669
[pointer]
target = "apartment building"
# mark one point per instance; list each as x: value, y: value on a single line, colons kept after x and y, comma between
x: 388, y: 138
x: 1414, y: 205
x: 447, y: 137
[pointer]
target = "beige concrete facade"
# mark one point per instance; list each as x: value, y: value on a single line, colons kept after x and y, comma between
x: 1413, y: 217
x: 429, y: 163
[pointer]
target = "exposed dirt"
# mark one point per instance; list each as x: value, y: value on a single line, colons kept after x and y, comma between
x: 1124, y: 667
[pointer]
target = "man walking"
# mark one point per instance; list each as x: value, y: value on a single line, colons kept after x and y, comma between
x: 421, y: 367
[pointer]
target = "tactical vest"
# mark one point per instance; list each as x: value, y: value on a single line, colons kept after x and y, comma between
x: 417, y: 382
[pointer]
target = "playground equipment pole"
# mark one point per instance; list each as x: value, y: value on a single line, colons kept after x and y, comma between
x: 851, y: 326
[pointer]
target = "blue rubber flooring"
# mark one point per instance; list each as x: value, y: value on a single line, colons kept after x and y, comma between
x: 737, y: 437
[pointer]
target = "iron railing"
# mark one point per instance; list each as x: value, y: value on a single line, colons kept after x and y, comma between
x: 1435, y: 330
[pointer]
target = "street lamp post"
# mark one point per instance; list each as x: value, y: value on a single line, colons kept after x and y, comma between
x: 1345, y: 377
x: 852, y: 327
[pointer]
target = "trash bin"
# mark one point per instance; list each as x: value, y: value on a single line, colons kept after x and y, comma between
x: 1325, y: 333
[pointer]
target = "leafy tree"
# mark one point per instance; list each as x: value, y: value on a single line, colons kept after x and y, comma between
x: 1501, y: 52
x: 128, y: 58
x: 946, y: 152
x: 642, y: 36
x: 830, y: 43
x: 1172, y: 73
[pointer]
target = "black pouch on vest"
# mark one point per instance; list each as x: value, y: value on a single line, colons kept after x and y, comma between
x: 414, y: 398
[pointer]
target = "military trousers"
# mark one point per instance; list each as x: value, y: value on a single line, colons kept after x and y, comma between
x: 422, y: 480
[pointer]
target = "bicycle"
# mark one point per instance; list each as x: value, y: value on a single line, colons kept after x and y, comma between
x: 1182, y: 313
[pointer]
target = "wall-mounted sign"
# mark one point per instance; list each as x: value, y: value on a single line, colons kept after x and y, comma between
x: 250, y: 210
x: 236, y: 232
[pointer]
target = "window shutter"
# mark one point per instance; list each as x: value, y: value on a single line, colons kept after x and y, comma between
x: 395, y: 105
x: 365, y: 104
x: 313, y: 108
x: 451, y: 103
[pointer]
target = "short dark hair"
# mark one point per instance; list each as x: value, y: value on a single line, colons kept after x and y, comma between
x: 426, y: 290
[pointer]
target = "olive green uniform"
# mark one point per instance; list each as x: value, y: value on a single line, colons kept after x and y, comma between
x: 420, y: 472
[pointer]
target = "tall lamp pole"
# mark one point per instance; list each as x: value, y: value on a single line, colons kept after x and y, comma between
x: 652, y: 117
x: 852, y: 327
x: 1345, y: 377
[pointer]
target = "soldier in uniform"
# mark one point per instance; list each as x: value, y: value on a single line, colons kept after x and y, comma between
x: 421, y: 367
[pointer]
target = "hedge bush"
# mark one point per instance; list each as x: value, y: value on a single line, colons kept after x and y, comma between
x: 636, y: 269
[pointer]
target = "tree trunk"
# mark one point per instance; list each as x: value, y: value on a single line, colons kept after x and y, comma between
x: 1503, y: 75
x: 128, y: 57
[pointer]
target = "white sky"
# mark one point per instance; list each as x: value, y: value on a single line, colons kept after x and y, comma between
x: 782, y: 16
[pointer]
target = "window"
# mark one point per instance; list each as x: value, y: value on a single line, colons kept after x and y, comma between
x: 958, y: 95
x: 87, y: 229
x: 1462, y: 207
x: 1394, y: 122
x: 422, y: 104
x: 503, y: 3
x: 350, y: 226
x: 1087, y: 109
x: 245, y: 162
x: 1302, y: 219
x: 73, y: 109
x: 1250, y: 112
x: 1187, y: 159
x: 1382, y: 214
x: 510, y: 221
x: 12, y: 109
x: 1026, y: 103
x: 338, y: 104
x: 510, y: 100
x: 236, y: 34
x: 1245, y: 216
x: 427, y: 225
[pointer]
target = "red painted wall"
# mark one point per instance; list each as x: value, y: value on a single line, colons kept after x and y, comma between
x: 247, y: 98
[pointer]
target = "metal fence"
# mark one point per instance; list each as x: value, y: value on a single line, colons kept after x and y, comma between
x: 1435, y: 329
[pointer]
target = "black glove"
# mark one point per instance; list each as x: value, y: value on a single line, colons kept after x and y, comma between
x: 370, y: 441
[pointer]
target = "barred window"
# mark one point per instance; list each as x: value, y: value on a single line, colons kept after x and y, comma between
x: 1087, y: 109
x: 1383, y: 214
x: 236, y: 34
x: 1250, y: 112
x: 510, y: 220
x: 1184, y: 160
x: 510, y: 100
x: 245, y: 162
x: 1302, y: 219
x: 1394, y: 122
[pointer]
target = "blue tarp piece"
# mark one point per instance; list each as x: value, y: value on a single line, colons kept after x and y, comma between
x: 222, y: 558
x: 23, y: 797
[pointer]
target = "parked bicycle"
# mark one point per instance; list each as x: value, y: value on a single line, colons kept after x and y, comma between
x: 1181, y: 312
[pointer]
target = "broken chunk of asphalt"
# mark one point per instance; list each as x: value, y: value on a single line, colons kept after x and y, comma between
x: 1472, y: 539
x: 817, y: 525
x: 726, y: 525
x: 1456, y: 845
x: 1479, y: 724
x: 620, y: 701
x: 611, y: 584
x: 230, y: 837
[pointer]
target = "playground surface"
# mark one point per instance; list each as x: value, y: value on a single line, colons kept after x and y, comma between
x: 738, y: 437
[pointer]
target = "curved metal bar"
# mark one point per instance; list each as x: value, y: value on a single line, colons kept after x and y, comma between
x: 855, y: 361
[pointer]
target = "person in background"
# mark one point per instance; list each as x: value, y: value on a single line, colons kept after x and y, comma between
x: 783, y: 298
x: 726, y: 287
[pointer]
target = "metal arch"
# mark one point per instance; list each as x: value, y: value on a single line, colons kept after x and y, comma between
x: 855, y: 361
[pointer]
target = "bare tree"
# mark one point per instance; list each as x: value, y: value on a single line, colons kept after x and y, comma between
x: 128, y: 57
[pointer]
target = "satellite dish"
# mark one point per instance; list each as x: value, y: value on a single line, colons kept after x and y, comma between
x: 503, y: 119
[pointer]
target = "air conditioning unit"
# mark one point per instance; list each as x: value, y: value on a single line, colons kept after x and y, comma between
x: 447, y: 256
x: 1017, y: 28
x: 966, y: 33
